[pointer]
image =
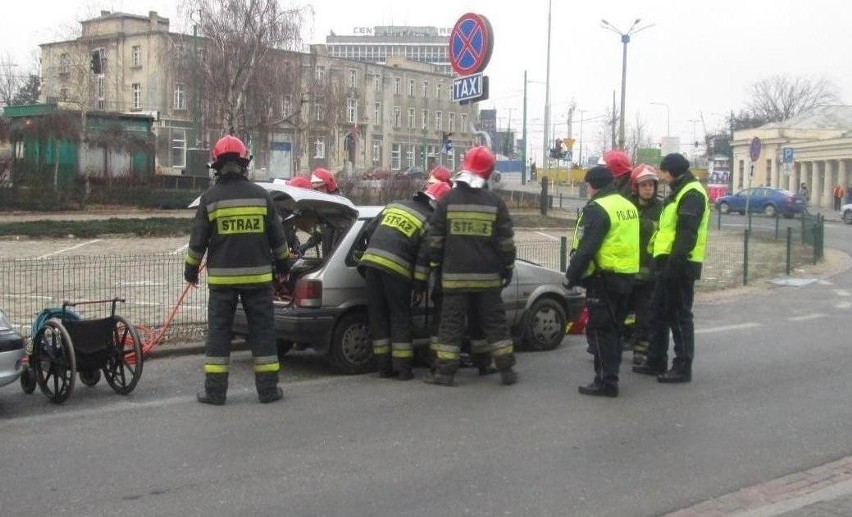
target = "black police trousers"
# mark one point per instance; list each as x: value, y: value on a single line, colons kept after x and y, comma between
x: 672, y: 311
x: 608, y: 308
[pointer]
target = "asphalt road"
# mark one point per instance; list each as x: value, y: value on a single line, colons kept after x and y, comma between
x: 769, y: 397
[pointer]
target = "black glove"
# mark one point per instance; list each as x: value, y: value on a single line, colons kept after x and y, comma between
x: 190, y: 274
x: 507, y: 276
x: 282, y: 267
x: 674, y: 268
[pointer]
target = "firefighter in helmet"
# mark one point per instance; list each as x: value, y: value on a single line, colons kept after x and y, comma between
x: 471, y: 243
x: 619, y: 164
x: 439, y: 174
x: 237, y: 226
x: 323, y: 181
x: 392, y: 270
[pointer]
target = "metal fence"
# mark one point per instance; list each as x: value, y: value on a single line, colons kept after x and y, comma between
x: 152, y: 283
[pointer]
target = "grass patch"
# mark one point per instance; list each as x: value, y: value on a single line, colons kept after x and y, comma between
x: 142, y: 227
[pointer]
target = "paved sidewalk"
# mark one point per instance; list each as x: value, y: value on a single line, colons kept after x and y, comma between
x: 821, y: 491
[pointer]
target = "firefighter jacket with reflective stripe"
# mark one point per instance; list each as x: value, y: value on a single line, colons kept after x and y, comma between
x: 471, y: 239
x: 618, y: 252
x: 237, y: 225
x: 683, y: 222
x: 395, y: 236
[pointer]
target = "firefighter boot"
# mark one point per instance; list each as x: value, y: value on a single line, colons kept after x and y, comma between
x: 383, y: 364
x: 215, y: 389
x: 504, y: 360
x: 445, y: 371
x: 402, y: 367
x: 267, y: 387
x: 508, y: 376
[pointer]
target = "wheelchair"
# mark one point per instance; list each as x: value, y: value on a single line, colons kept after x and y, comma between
x: 65, y: 346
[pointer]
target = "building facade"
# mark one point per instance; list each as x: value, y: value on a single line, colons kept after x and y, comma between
x: 382, y: 44
x: 820, y: 141
x: 340, y: 113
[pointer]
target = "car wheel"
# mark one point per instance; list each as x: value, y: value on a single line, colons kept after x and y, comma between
x: 769, y: 211
x: 351, y: 350
x: 847, y: 217
x: 284, y: 346
x: 724, y: 208
x: 544, y: 325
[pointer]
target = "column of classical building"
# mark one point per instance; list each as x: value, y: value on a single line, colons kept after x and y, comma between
x: 828, y: 184
x: 805, y: 178
x: 842, y: 180
x: 817, y: 172
x: 793, y: 178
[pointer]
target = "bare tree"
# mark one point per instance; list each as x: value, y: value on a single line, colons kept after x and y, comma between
x: 240, y: 39
x: 637, y: 137
x: 780, y: 97
x: 10, y: 79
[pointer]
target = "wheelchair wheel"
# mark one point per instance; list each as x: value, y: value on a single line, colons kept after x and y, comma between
x: 123, y: 367
x: 53, y: 362
x: 89, y: 377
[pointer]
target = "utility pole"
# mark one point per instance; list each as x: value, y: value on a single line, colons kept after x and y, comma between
x: 546, y: 141
x: 613, y: 120
x: 524, y: 137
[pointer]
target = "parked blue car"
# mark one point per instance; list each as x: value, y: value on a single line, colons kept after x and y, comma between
x: 767, y: 200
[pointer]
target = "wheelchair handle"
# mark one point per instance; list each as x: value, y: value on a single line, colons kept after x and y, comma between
x: 112, y: 301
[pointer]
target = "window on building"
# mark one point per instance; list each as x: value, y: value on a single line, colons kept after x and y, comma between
x: 179, y: 97
x: 377, y: 152
x: 178, y: 148
x: 451, y: 122
x: 450, y: 93
x: 397, y: 123
x: 412, y: 120
x: 352, y: 110
x: 319, y: 148
x: 377, y: 113
x: 463, y: 123
x: 396, y: 151
x: 439, y: 121
x: 101, y: 88
x: 64, y: 64
x: 136, y: 56
x: 377, y: 82
x: 439, y: 87
x: 397, y: 85
x: 319, y: 112
x: 353, y: 78
x: 320, y: 73
x: 769, y: 173
x: 63, y: 94
x: 425, y: 89
x: 410, y: 153
x: 411, y: 87
x: 137, y: 96
x: 425, y: 119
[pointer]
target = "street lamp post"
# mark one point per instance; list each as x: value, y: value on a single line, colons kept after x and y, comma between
x: 668, y: 117
x: 625, y: 39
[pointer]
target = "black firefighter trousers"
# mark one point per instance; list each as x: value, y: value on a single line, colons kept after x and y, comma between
x: 389, y: 313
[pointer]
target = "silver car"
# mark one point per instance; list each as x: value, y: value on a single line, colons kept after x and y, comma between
x: 324, y: 307
x: 11, y: 352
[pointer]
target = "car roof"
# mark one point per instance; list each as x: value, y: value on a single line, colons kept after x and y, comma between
x: 293, y: 199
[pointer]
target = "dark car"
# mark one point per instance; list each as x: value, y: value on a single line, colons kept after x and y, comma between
x: 767, y: 200
x: 325, y: 306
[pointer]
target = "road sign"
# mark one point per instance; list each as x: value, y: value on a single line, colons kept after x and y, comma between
x: 754, y: 149
x: 471, y: 43
x: 569, y: 155
x: 788, y: 155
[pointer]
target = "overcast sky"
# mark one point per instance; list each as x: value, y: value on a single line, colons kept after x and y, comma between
x: 698, y: 58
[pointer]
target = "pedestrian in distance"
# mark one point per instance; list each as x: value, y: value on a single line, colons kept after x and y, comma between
x: 471, y: 244
x: 838, y: 197
x: 678, y: 249
x: 605, y: 261
x: 803, y: 191
x: 391, y: 268
x: 237, y: 227
x: 644, y: 181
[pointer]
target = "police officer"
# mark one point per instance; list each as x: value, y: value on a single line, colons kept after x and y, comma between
x: 678, y: 251
x: 605, y: 260
x: 390, y: 268
x: 471, y: 243
x: 237, y: 226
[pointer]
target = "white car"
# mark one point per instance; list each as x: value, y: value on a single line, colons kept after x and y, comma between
x: 846, y: 210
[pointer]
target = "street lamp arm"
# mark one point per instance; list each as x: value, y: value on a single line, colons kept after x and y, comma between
x: 640, y: 29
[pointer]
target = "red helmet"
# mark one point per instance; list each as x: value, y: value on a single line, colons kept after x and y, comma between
x: 618, y: 162
x: 642, y: 173
x: 477, y: 167
x: 229, y: 147
x: 300, y: 182
x: 436, y: 191
x: 439, y: 174
x: 322, y: 178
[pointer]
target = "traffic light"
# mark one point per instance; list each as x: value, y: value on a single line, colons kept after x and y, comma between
x: 446, y: 143
x: 97, y: 63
